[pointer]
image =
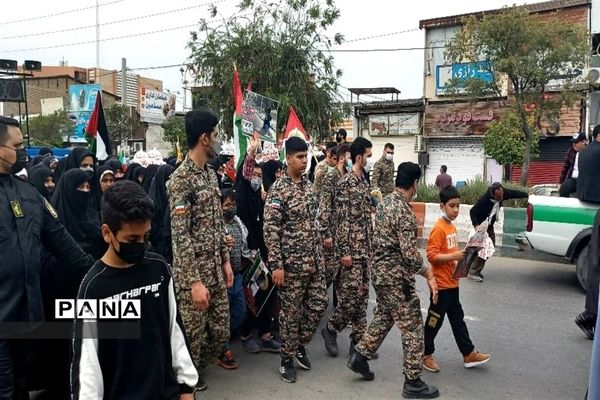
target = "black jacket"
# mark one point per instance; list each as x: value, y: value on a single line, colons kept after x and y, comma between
x: 588, y: 181
x: 482, y: 209
x: 28, y: 222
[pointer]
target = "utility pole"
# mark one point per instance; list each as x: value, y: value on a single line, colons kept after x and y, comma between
x: 97, y: 41
x: 124, y: 81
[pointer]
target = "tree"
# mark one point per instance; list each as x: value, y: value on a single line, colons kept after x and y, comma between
x: 119, y: 123
x: 175, y: 131
x: 49, y: 130
x: 280, y: 48
x: 523, y: 52
x: 505, y: 141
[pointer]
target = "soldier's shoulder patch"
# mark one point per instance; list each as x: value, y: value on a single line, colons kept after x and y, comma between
x: 275, y: 203
x: 50, y: 209
x: 181, y: 207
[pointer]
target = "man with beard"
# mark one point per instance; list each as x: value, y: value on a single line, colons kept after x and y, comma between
x: 201, y: 268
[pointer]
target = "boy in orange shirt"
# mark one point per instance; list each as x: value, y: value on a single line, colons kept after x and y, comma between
x: 443, y: 254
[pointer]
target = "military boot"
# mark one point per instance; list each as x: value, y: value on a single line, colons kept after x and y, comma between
x: 417, y: 389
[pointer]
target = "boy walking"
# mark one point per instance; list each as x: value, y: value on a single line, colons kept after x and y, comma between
x: 443, y: 253
x: 158, y: 365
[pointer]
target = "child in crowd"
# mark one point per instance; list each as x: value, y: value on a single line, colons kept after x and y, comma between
x: 443, y: 254
x: 158, y: 364
x: 237, y: 236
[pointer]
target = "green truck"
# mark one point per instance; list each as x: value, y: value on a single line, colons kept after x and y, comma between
x: 561, y: 226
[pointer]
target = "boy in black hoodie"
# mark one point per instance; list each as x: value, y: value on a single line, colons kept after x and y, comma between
x: 158, y: 364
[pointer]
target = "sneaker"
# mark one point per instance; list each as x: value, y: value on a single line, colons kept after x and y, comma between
x: 475, y: 277
x: 270, y: 346
x: 330, y: 338
x: 476, y: 358
x: 586, y: 322
x: 417, y: 389
x: 226, y: 360
x: 302, y: 358
x: 359, y: 364
x: 287, y: 370
x: 250, y: 345
x: 430, y: 364
x: 200, y: 385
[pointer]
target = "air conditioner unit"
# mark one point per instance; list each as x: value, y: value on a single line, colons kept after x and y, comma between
x: 420, y: 144
x: 593, y: 75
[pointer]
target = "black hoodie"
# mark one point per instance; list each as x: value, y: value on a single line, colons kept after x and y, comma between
x: 484, y: 206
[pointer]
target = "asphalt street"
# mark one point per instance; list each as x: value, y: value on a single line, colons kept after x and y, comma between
x: 522, y: 314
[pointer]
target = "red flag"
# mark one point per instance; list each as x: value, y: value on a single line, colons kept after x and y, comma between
x: 294, y: 127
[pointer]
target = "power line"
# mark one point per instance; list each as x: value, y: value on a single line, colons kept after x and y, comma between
x: 114, y: 22
x: 102, y: 40
x: 58, y: 13
x: 379, y: 50
x: 380, y: 36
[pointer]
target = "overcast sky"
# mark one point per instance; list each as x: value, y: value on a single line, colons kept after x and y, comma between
x: 161, y: 39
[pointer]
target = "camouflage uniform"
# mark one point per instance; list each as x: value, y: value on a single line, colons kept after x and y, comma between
x: 294, y: 244
x: 383, y: 176
x: 320, y: 172
x: 354, y: 235
x: 199, y: 251
x: 327, y: 222
x: 395, y: 262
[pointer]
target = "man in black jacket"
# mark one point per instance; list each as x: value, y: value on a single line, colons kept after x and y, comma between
x: 488, y: 206
x: 588, y: 182
x: 27, y: 222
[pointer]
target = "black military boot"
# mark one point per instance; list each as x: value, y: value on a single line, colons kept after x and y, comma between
x: 417, y: 389
x: 359, y: 364
x: 330, y: 338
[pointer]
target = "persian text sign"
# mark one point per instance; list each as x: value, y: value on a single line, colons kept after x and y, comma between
x: 156, y: 106
x: 461, y: 119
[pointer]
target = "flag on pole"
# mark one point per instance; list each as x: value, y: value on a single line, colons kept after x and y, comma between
x: 240, y: 143
x: 97, y: 130
x: 123, y: 159
x: 179, y: 152
x: 294, y: 128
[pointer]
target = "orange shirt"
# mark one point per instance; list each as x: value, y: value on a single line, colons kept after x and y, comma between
x: 443, y: 239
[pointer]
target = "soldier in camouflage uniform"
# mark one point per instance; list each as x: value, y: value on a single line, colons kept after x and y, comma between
x: 396, y: 260
x: 353, y: 249
x: 323, y: 167
x: 294, y: 245
x: 383, y: 171
x: 327, y: 212
x: 201, y: 267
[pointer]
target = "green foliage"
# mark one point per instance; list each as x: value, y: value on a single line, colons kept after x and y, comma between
x: 49, y: 130
x: 470, y: 193
x: 277, y: 47
x: 120, y: 123
x: 525, y: 53
x: 505, y: 141
x: 175, y: 129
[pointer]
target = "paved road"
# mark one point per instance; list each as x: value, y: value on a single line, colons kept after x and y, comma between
x: 523, y: 314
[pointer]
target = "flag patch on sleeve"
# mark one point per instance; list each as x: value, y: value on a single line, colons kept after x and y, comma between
x: 181, y: 208
x: 275, y: 203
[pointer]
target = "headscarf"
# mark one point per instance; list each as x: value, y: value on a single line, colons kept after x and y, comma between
x: 38, y: 177
x: 158, y: 194
x: 102, y: 170
x: 60, y: 169
x: 115, y: 165
x: 77, y: 155
x: 133, y: 172
x: 77, y: 213
x: 48, y: 160
x: 148, y: 176
x: 269, y: 169
x: 250, y: 209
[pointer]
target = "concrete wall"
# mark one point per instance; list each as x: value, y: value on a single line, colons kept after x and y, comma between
x: 155, y: 140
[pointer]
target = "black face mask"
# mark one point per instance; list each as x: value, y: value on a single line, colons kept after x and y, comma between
x: 21, y: 161
x: 131, y: 253
x: 50, y: 192
x: 81, y: 197
x: 229, y: 214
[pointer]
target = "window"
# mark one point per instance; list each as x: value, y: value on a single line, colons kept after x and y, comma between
x: 394, y: 124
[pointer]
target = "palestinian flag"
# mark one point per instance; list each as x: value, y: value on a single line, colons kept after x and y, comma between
x: 240, y: 143
x: 97, y: 130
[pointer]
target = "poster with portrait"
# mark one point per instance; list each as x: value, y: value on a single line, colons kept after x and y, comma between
x: 259, y: 114
x: 82, y: 99
x: 258, y: 285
